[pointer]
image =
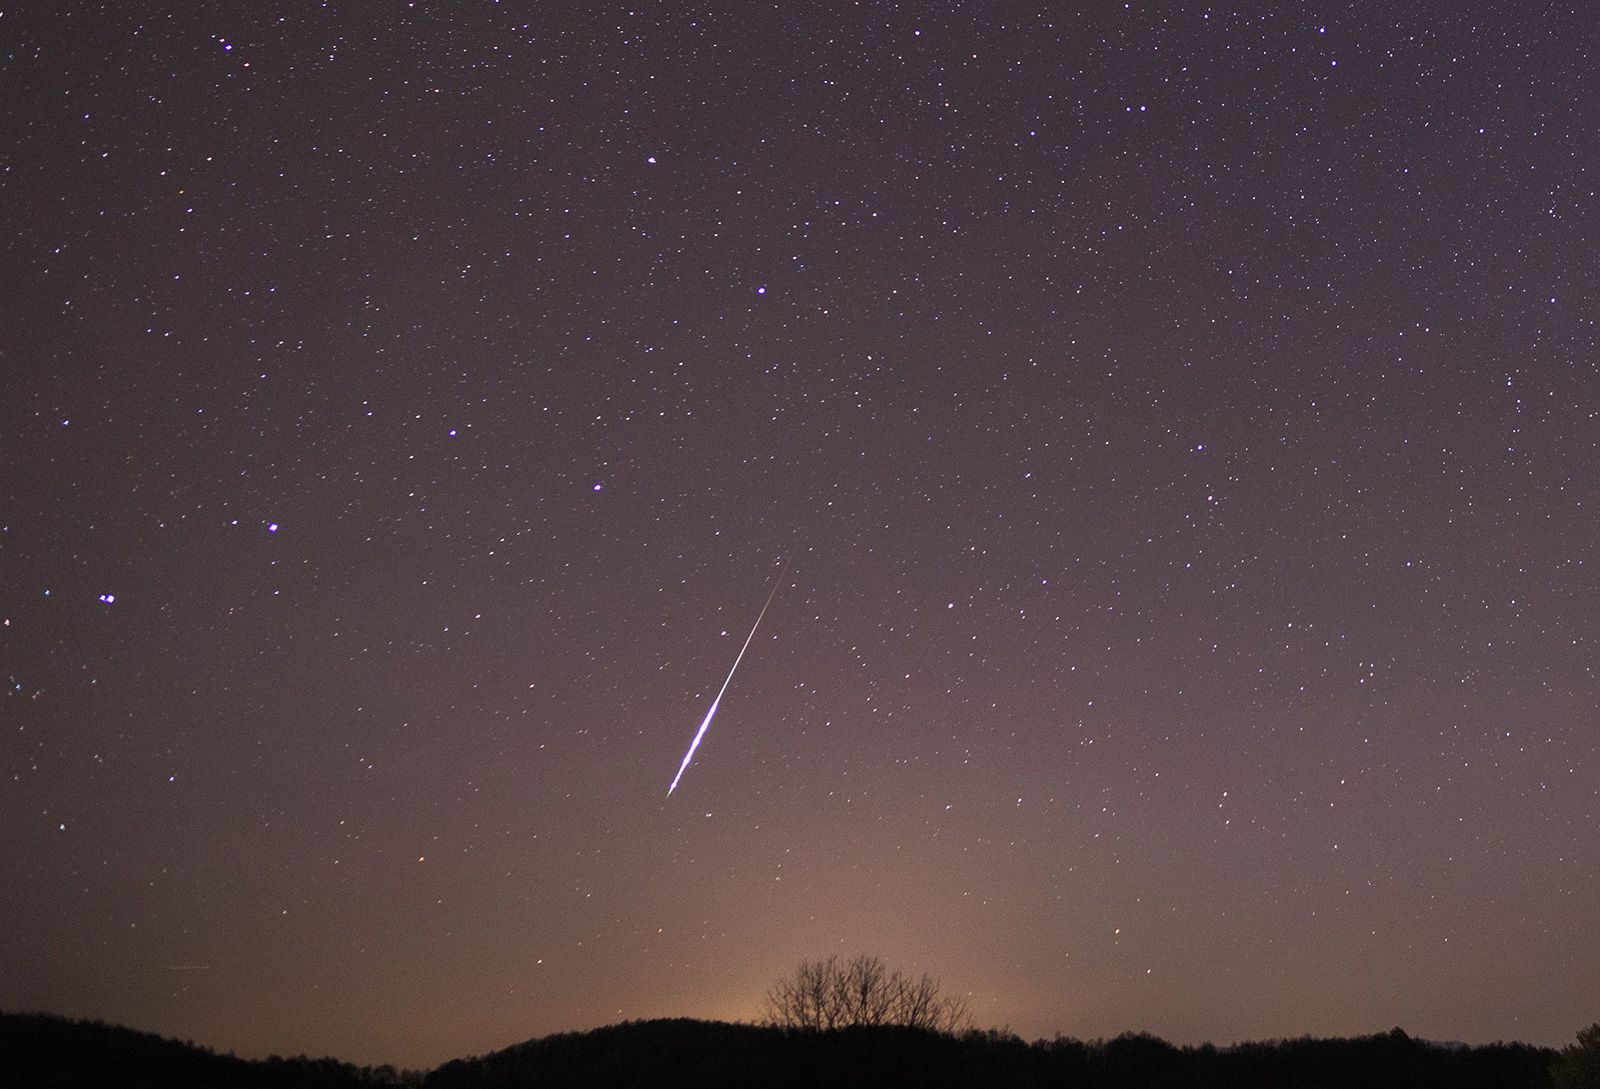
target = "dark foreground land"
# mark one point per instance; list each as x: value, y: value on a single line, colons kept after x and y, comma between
x: 41, y: 1051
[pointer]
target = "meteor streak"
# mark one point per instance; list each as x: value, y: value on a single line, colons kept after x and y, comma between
x: 706, y: 722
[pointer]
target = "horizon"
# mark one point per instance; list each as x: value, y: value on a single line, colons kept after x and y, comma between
x: 1165, y: 443
x: 1030, y: 1040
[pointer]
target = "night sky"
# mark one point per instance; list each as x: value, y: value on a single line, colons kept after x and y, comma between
x: 1181, y: 427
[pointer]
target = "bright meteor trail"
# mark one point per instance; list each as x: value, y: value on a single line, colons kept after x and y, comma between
x: 695, y: 744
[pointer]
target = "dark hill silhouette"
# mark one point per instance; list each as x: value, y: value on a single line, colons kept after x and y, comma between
x: 41, y: 1051
x: 714, y: 1054
x: 38, y: 1051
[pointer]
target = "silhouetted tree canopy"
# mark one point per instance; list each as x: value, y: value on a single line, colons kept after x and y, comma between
x: 45, y: 1052
x: 1579, y: 1064
x: 834, y: 993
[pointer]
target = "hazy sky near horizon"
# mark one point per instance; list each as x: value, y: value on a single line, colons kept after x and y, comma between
x: 1179, y: 424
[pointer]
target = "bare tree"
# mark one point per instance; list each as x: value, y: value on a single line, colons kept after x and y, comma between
x: 834, y: 993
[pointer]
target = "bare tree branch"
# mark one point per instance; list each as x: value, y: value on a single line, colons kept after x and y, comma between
x: 828, y: 994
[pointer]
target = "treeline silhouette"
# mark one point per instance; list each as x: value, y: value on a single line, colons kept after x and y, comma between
x: 54, y: 1053
x: 714, y: 1054
x: 41, y: 1051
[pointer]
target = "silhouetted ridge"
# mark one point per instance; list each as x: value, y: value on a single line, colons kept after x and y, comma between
x: 713, y: 1055
x: 42, y: 1052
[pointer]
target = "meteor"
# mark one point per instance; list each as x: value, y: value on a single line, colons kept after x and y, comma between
x: 706, y: 722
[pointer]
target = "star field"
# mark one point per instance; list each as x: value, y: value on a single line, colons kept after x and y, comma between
x: 1181, y: 424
